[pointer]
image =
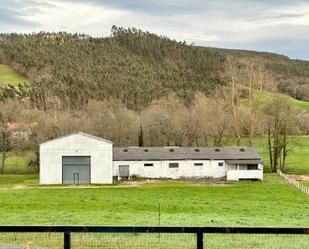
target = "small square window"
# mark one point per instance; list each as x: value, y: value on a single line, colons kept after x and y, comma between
x: 220, y: 164
x: 173, y: 165
x: 252, y: 167
x: 198, y: 164
x: 148, y: 164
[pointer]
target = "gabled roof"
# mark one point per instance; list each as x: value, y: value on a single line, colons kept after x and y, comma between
x: 79, y: 133
x: 184, y: 153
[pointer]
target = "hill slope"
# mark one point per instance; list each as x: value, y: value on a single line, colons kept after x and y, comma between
x: 136, y: 67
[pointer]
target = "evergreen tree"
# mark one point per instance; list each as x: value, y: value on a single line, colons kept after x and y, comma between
x: 141, y: 137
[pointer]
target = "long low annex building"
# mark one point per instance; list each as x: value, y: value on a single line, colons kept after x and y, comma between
x: 81, y: 158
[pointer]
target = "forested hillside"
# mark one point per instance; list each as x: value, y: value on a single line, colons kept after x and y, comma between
x: 133, y: 66
x: 137, y: 88
x: 78, y: 67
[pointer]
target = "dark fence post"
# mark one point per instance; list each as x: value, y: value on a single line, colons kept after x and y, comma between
x: 199, y: 240
x: 67, y: 240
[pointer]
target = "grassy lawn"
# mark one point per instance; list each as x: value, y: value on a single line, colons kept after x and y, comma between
x: 10, y: 181
x: 196, y: 203
x: 269, y: 203
x: 9, y: 76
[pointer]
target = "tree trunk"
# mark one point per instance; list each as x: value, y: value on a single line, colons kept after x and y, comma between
x: 270, y: 149
x: 276, y: 142
x: 2, y: 162
x: 205, y: 139
x: 284, y: 149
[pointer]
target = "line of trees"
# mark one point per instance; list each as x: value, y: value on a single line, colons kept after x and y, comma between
x: 208, y: 121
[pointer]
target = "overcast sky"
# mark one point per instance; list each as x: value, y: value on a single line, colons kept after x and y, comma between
x: 280, y: 26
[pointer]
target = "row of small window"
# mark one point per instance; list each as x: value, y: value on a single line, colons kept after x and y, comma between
x: 176, y: 165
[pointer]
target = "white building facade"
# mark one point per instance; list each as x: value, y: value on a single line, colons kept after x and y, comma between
x: 232, y: 163
x: 173, y: 169
x: 76, y: 159
x: 84, y: 159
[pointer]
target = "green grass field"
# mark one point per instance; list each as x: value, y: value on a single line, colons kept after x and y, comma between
x: 269, y: 203
x: 272, y: 202
x: 9, y: 76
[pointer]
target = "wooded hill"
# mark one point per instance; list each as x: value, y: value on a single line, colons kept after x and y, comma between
x: 133, y: 66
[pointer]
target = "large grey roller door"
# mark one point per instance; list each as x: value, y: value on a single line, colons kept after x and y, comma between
x: 76, y: 169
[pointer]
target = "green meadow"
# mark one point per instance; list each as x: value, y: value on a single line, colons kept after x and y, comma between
x: 9, y: 76
x: 272, y: 202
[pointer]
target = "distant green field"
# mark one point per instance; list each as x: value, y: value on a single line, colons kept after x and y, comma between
x: 301, y: 104
x: 9, y: 76
x: 297, y: 161
x: 18, y: 163
x: 268, y: 96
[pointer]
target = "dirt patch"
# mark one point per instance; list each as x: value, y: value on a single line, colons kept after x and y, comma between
x: 167, y: 182
x: 304, y: 178
x: 12, y: 246
x: 138, y: 183
x: 134, y: 183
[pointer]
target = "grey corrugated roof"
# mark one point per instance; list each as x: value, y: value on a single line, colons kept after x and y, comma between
x: 178, y: 153
x: 244, y: 161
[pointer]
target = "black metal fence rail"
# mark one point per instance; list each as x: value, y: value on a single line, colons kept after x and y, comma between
x: 199, y: 231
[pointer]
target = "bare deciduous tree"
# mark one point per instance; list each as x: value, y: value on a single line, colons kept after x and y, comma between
x: 233, y: 74
x: 282, y: 119
x: 255, y: 78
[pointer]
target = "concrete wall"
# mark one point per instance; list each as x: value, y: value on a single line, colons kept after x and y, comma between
x: 160, y: 169
x: 235, y: 175
x: 100, y: 151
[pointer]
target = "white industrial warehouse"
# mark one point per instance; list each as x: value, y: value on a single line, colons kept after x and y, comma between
x: 85, y: 159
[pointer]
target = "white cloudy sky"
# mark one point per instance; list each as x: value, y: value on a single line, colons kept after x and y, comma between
x: 280, y: 26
